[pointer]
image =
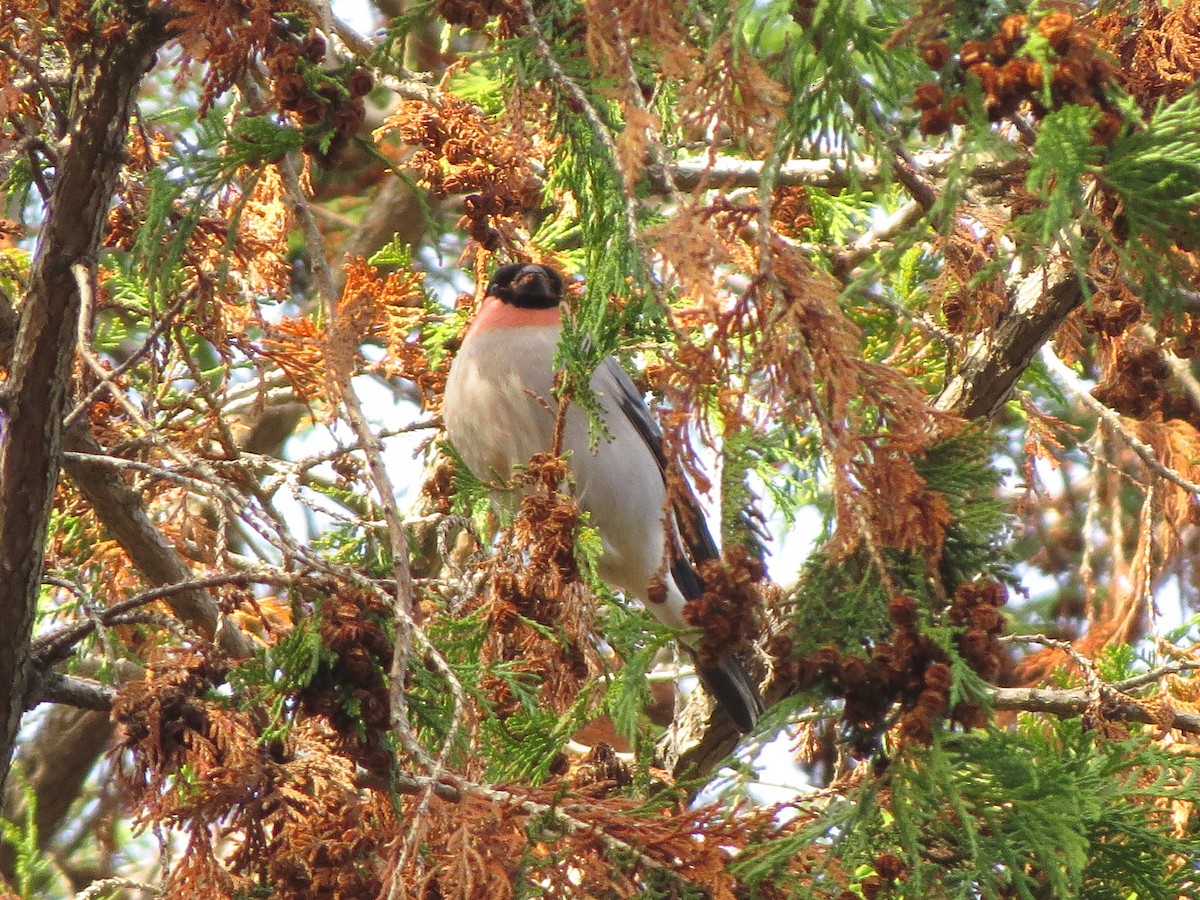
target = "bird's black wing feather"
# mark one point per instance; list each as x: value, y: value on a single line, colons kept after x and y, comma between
x: 727, y: 679
x: 692, y: 523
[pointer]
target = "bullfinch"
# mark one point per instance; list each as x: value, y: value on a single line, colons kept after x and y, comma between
x: 499, y: 410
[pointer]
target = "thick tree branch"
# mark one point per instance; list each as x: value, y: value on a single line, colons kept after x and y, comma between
x: 69, y: 690
x: 119, y: 508
x: 105, y: 76
x: 996, y: 357
x: 1067, y: 704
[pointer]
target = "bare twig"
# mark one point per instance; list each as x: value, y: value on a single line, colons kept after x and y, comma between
x: 106, y: 886
x: 146, y: 346
x: 408, y: 630
x: 1113, y: 420
x: 55, y: 646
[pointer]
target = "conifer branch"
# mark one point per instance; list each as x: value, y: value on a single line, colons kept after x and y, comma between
x: 997, y: 356
x: 1113, y: 420
x: 1115, y: 706
x: 341, y: 366
x: 580, y: 99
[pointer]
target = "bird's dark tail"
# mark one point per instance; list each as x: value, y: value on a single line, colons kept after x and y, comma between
x: 727, y: 682
x: 734, y: 690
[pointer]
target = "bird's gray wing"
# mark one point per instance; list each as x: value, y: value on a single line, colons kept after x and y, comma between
x: 692, y: 523
x: 726, y: 679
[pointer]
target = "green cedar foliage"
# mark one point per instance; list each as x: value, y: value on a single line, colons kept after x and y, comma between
x: 1048, y: 810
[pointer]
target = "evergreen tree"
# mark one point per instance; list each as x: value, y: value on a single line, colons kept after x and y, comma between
x: 913, y: 288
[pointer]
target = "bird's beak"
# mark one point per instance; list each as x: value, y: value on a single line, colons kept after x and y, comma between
x: 532, y: 280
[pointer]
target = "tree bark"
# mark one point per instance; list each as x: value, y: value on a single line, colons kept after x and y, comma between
x: 105, y: 74
x: 998, y: 356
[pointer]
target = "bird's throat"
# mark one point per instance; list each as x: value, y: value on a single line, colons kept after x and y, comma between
x: 495, y: 315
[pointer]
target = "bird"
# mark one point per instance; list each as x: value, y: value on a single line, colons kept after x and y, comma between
x: 499, y: 411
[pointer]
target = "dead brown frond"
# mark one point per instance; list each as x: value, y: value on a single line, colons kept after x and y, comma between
x: 460, y: 152
x: 1158, y: 46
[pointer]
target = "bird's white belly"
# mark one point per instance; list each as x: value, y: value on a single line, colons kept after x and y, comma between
x: 500, y: 411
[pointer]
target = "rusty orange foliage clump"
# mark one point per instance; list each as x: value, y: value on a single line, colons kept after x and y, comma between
x: 1158, y: 46
x: 226, y: 37
x: 535, y: 578
x: 493, y: 846
x: 391, y: 309
x: 20, y: 27
x: 223, y: 275
x: 968, y: 303
x: 461, y: 152
x: 319, y: 360
x: 285, y: 812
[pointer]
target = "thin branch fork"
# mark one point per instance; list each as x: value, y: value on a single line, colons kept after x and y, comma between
x: 56, y: 645
x: 1113, y: 420
x: 454, y: 790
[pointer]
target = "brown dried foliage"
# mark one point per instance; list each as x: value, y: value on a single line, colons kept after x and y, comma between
x: 909, y: 668
x: 969, y: 305
x: 223, y: 273
x: 462, y: 152
x: 351, y: 692
x: 226, y: 38
x: 733, y: 95
x: 534, y: 578
x: 284, y: 812
x: 21, y: 108
x: 654, y: 34
x: 807, y: 363
x: 473, y: 14
x: 1158, y: 46
x: 1135, y: 372
x: 328, y: 103
x: 496, y: 842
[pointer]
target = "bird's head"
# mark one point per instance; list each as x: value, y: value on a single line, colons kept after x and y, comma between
x: 527, y: 286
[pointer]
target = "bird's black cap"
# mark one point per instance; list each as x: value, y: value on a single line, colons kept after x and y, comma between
x: 527, y: 286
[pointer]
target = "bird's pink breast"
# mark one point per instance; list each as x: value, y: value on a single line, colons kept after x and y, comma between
x: 495, y: 315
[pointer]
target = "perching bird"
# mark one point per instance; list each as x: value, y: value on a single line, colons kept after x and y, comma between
x: 499, y: 411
